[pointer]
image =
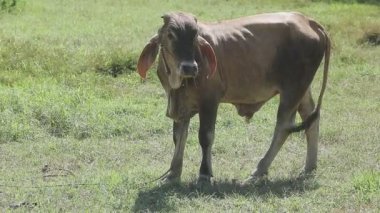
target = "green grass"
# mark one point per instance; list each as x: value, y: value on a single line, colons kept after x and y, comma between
x: 79, y: 131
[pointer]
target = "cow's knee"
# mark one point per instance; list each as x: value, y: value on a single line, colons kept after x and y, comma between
x: 206, y: 138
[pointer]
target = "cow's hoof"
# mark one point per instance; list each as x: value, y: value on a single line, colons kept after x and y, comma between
x: 310, y: 170
x: 306, y: 174
x: 169, y: 181
x: 255, y: 180
x: 169, y: 178
x: 203, y: 181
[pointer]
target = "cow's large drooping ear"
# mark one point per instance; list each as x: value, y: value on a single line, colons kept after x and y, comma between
x: 147, y: 56
x: 208, y: 52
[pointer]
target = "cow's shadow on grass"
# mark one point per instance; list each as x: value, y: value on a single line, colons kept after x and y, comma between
x: 160, y: 198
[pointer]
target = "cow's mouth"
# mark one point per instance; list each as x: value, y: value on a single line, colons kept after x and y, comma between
x: 180, y: 79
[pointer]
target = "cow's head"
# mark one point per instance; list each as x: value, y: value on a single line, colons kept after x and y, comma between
x: 181, y: 50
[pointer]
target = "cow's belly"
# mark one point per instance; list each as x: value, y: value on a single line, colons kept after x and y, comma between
x: 249, y: 95
x: 249, y: 98
x: 248, y: 86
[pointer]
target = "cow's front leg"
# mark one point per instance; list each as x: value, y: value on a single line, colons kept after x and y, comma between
x: 180, y: 130
x: 207, y: 118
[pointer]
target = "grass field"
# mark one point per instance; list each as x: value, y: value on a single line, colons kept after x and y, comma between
x: 79, y: 131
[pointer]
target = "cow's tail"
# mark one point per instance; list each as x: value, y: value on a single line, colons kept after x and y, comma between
x: 315, y: 114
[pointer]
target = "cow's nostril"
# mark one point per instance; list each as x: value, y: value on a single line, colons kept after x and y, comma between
x: 189, y: 69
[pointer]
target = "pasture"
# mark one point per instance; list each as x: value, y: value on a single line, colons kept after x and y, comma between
x: 79, y: 130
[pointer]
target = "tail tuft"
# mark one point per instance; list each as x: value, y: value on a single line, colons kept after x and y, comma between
x: 305, y: 124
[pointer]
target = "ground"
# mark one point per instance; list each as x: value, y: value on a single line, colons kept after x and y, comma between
x: 79, y: 130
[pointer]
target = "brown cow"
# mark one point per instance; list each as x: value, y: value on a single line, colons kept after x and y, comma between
x: 244, y: 62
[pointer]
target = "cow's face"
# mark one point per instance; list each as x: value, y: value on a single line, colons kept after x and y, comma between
x: 182, y: 49
x: 178, y: 38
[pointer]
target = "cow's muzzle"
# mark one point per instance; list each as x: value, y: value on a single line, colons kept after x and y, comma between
x: 188, y: 69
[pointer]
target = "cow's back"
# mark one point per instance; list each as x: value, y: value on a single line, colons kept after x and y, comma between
x: 257, y: 54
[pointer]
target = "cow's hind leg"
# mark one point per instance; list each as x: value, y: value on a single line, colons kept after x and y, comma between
x: 180, y: 130
x: 207, y: 118
x: 285, y: 119
x: 305, y: 109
